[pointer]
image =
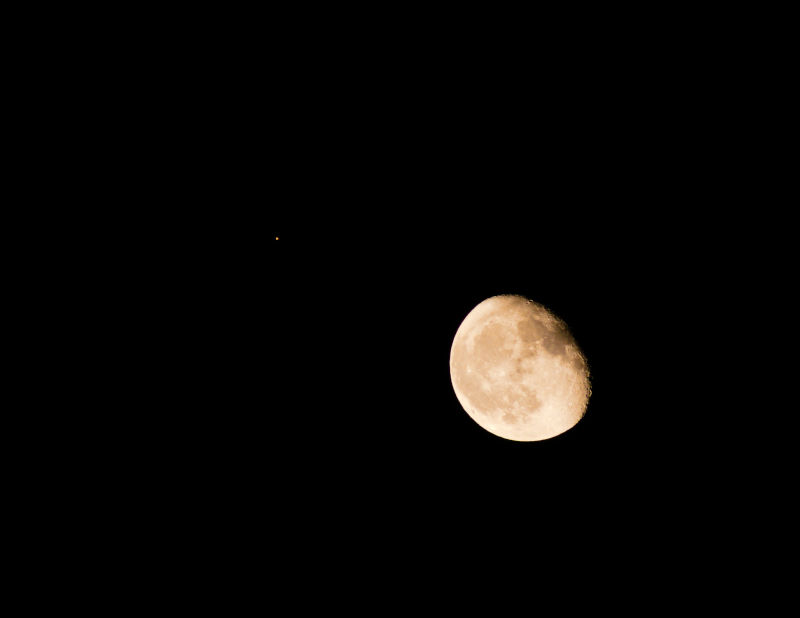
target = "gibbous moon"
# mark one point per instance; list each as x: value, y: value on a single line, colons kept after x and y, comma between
x: 517, y: 370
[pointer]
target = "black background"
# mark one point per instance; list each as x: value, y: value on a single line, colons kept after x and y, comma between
x: 284, y: 409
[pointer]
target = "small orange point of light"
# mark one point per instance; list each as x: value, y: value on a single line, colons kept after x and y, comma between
x: 276, y: 238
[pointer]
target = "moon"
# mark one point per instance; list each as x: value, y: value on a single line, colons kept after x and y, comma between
x: 517, y: 370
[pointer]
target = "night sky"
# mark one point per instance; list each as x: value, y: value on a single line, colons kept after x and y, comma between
x: 274, y: 418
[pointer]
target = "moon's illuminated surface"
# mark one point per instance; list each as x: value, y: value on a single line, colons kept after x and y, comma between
x: 517, y: 370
